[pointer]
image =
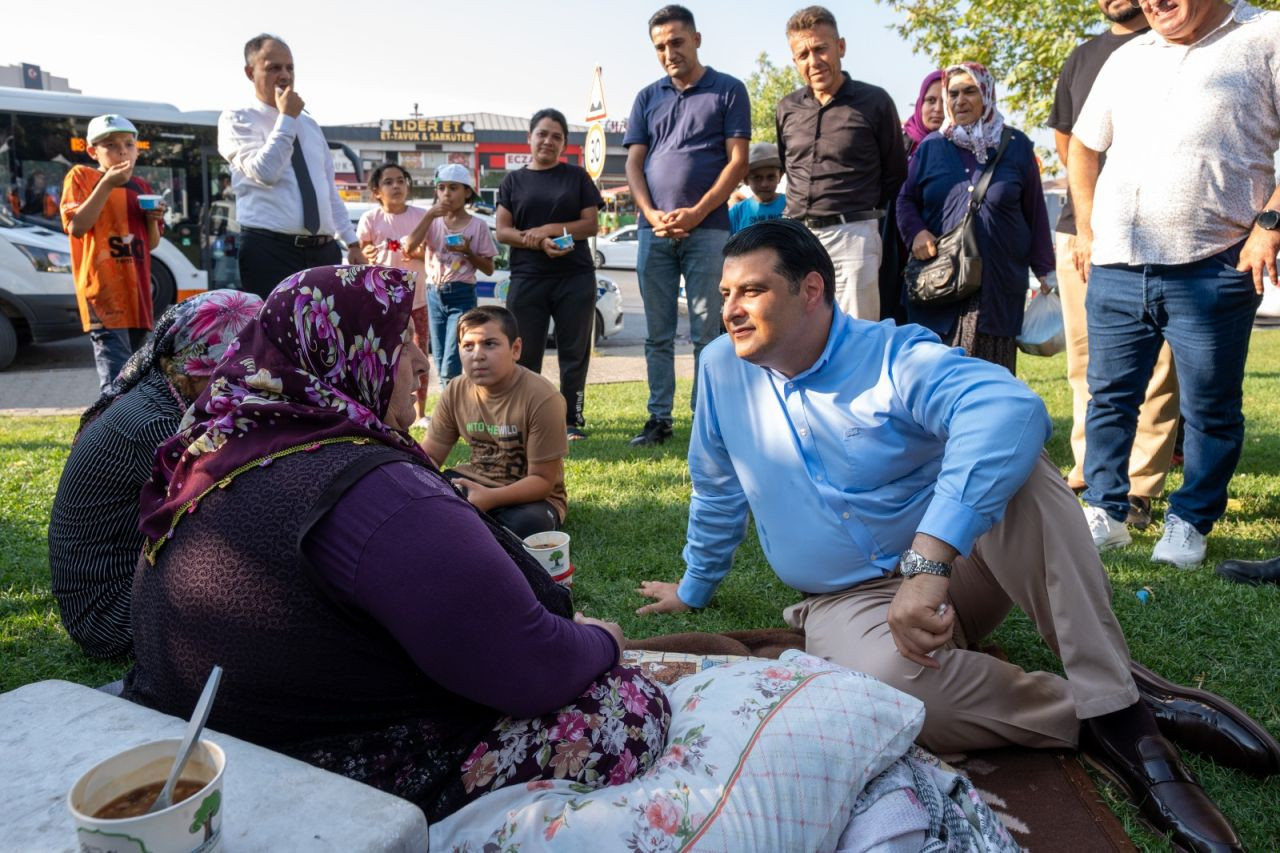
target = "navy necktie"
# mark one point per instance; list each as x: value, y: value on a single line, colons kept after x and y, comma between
x: 310, y: 208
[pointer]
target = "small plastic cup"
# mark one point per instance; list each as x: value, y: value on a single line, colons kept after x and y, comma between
x: 454, y: 241
x: 150, y: 202
x: 194, y: 824
x: 564, y: 241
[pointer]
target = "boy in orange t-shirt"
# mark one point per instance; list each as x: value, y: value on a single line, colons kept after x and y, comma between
x: 111, y: 242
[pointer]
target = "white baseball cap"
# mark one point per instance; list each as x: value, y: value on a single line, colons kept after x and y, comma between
x: 106, y: 125
x: 456, y: 173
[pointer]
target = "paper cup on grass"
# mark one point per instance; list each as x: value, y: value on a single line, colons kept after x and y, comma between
x: 193, y: 825
x: 551, y: 550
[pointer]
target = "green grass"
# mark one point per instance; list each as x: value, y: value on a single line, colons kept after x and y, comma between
x: 627, y: 520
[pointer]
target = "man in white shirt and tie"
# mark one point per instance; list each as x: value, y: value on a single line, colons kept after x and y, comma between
x: 287, y: 202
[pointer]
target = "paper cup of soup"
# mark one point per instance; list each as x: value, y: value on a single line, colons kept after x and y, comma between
x: 454, y: 241
x: 564, y: 241
x: 150, y: 202
x: 109, y: 803
x: 551, y: 550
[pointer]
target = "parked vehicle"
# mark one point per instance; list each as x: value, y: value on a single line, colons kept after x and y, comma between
x: 618, y: 249
x: 38, y: 294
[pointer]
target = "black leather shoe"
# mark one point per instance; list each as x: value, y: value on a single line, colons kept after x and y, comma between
x: 1168, y: 797
x: 655, y: 431
x: 1207, y: 724
x: 1252, y: 573
x: 1139, y: 516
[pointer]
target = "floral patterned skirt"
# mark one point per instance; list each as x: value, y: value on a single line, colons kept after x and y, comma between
x: 614, y: 731
x: 997, y: 349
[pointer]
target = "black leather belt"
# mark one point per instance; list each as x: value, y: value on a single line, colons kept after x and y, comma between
x: 841, y: 218
x: 299, y: 241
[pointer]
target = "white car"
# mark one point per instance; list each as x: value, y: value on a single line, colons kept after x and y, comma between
x: 492, y: 289
x: 38, y: 294
x: 618, y: 249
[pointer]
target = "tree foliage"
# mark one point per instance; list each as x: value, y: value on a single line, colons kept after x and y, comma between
x: 767, y: 85
x: 1023, y: 42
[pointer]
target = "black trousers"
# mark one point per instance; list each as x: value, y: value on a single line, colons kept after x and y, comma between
x: 571, y: 301
x: 266, y: 261
x: 521, y: 519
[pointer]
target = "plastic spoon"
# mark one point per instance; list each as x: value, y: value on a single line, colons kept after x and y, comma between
x: 189, y: 740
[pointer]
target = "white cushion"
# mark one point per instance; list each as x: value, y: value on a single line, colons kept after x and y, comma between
x: 761, y: 755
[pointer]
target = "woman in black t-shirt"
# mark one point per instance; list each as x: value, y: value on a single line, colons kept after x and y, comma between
x: 537, y: 204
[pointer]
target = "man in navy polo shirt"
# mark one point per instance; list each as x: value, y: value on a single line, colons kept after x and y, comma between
x: 686, y: 152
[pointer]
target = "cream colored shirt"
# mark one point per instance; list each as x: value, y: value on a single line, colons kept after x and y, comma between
x: 1190, y: 133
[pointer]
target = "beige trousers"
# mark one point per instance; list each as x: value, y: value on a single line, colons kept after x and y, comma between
x: 1039, y: 557
x: 1157, y: 417
x: 855, y: 252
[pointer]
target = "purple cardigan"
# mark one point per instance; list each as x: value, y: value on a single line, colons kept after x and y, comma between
x: 416, y: 559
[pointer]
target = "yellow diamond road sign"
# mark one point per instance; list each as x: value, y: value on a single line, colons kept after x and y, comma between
x: 595, y: 151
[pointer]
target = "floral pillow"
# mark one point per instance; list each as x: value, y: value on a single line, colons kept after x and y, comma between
x: 763, y: 755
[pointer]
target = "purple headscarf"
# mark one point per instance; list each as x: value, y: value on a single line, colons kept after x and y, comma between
x: 318, y: 362
x: 914, y: 126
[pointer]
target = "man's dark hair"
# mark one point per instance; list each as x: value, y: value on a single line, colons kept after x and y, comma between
x: 253, y: 45
x: 672, y: 14
x: 376, y: 178
x: 811, y: 17
x: 482, y: 314
x: 554, y: 115
x: 798, y: 252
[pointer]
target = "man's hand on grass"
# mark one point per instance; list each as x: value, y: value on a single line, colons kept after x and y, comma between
x: 666, y: 600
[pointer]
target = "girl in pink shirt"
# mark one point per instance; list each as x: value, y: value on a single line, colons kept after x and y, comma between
x: 384, y: 235
x: 455, y: 245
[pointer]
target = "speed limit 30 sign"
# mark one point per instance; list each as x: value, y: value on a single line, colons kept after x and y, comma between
x: 594, y: 152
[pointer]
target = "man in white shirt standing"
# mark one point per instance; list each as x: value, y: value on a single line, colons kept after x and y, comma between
x: 287, y: 202
x: 1174, y: 237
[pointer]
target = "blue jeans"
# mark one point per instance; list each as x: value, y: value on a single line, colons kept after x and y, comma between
x: 111, y: 349
x: 1205, y: 311
x: 659, y: 264
x: 445, y: 304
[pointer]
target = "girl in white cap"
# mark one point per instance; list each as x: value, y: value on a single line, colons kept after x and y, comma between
x: 454, y: 245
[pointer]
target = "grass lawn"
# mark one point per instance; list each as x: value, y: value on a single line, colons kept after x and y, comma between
x: 628, y: 523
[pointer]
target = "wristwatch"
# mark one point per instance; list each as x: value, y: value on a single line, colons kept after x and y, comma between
x: 912, y: 564
x: 1268, y: 220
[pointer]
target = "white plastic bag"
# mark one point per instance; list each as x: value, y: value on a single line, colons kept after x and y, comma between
x: 1042, y: 330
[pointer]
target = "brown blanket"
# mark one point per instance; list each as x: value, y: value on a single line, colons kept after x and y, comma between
x: 760, y: 643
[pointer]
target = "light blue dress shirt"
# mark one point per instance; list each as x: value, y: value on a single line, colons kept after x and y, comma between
x: 888, y: 433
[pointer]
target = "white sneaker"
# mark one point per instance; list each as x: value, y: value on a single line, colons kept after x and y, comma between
x: 1182, y: 545
x: 1106, y: 531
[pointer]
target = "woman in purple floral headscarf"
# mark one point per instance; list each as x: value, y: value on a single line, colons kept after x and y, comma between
x: 367, y: 618
x: 93, y: 529
x: 1012, y: 222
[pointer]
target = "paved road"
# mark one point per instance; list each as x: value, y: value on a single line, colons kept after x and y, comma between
x: 60, y: 377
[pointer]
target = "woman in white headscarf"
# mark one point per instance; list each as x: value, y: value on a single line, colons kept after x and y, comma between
x: 1012, y: 223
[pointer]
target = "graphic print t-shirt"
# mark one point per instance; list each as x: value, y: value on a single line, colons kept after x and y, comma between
x: 112, y: 262
x: 506, y: 432
x: 389, y: 232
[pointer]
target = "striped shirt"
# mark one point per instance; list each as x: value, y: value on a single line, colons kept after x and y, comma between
x: 94, y: 541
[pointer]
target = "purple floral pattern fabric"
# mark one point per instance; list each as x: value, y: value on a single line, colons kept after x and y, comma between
x: 615, y: 730
x: 316, y: 363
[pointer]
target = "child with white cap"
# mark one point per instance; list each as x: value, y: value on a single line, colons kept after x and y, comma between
x: 111, y: 242
x: 455, y: 245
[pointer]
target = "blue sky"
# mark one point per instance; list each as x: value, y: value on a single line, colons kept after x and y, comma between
x: 362, y: 61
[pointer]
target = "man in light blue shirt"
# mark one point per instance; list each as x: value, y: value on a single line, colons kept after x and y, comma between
x: 902, y: 485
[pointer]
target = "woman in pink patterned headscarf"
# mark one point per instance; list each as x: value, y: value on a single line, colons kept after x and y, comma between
x: 974, y: 126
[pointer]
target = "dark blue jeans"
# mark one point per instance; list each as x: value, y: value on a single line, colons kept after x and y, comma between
x: 1205, y: 311
x: 445, y: 304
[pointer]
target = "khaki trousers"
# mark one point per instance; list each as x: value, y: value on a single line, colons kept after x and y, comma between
x: 1039, y: 557
x: 1157, y: 417
x: 855, y: 252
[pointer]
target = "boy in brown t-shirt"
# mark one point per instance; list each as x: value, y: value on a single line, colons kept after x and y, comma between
x: 512, y: 418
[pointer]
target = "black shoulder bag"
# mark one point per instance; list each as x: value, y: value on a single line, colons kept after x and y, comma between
x: 955, y: 273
